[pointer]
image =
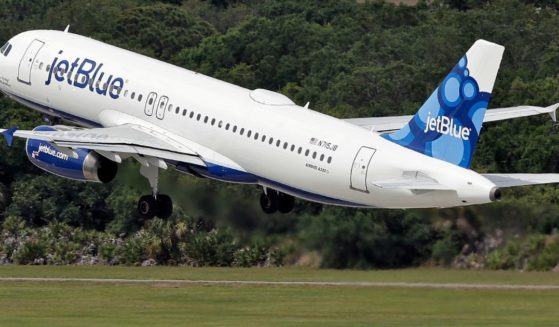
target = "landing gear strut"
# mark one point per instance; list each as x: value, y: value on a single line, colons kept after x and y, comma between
x: 272, y: 201
x: 159, y: 205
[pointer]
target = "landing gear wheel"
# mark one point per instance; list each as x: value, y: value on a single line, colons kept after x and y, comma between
x: 164, y: 206
x: 286, y: 203
x: 269, y: 201
x: 147, y: 207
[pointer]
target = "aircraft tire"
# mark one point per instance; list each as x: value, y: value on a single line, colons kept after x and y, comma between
x: 164, y: 206
x: 286, y: 203
x: 147, y: 207
x: 269, y: 202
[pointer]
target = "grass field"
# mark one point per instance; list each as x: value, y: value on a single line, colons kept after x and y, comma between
x: 34, y: 303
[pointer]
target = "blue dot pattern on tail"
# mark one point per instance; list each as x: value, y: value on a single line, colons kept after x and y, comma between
x: 447, y: 126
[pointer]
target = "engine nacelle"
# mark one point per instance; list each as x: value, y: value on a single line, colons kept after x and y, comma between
x: 77, y: 164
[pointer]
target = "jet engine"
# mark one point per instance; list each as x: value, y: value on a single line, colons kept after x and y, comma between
x: 77, y: 164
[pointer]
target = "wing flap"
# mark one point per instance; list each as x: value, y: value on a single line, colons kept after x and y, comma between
x: 510, y: 180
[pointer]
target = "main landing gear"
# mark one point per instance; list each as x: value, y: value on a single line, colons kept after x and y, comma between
x: 273, y: 201
x: 155, y: 205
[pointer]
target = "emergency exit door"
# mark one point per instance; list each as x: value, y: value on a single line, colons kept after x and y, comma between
x: 360, y: 169
x: 26, y: 63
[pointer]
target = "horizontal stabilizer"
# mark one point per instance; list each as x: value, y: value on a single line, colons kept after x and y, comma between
x: 393, y: 123
x: 412, y: 181
x: 510, y: 180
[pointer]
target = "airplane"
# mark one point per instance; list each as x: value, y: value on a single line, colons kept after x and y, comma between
x: 120, y: 104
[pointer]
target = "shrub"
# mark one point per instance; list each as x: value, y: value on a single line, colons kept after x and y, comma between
x: 30, y: 252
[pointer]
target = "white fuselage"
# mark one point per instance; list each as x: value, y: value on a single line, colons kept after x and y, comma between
x: 338, y: 162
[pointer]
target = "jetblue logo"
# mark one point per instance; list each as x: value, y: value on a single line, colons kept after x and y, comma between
x: 85, y: 73
x: 446, y: 126
x: 49, y: 151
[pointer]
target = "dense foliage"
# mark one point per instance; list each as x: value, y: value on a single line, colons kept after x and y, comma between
x: 349, y: 59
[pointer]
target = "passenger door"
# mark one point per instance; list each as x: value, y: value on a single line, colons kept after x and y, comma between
x: 26, y: 63
x: 360, y: 168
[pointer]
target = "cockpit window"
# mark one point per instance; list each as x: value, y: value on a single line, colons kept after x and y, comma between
x: 8, y: 49
x: 4, y: 47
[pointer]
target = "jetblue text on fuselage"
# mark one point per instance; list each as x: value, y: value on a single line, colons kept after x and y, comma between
x: 92, y: 71
x: 447, y: 126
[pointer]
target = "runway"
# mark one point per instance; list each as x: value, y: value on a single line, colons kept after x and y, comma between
x: 179, y: 282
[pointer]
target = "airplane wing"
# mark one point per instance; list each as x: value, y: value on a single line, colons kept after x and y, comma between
x: 393, y: 123
x: 509, y: 180
x: 412, y: 180
x: 129, y: 139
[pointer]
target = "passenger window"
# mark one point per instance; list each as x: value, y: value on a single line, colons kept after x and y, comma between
x: 234, y: 129
x: 150, y: 102
x: 179, y: 109
x: 198, y: 117
x: 263, y: 138
x: 242, y: 131
x: 227, y: 127
x: 307, y: 153
x: 41, y: 66
x: 191, y: 114
x: 3, y: 47
x: 205, y: 119
x: 170, y: 107
x: 292, y: 147
x: 249, y: 133
x: 285, y: 145
x: 271, y: 140
x: 322, y: 157
x: 278, y: 143
x: 299, y: 150
x: 329, y: 160
x: 140, y: 98
x: 213, y: 121
x: 184, y: 112
x: 133, y: 95
x: 125, y: 93
x: 48, y: 68
x: 314, y: 155
x: 220, y: 124
x: 256, y: 136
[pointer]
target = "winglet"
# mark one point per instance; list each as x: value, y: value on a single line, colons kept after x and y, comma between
x: 553, y: 111
x: 67, y: 28
x: 9, y: 135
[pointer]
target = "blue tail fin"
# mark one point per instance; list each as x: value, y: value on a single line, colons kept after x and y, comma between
x: 447, y: 126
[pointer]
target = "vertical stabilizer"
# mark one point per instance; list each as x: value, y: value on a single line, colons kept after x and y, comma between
x: 448, y: 124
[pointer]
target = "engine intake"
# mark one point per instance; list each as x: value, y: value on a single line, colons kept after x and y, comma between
x: 78, y: 164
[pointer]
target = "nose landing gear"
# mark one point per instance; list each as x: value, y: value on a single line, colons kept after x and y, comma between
x: 272, y: 201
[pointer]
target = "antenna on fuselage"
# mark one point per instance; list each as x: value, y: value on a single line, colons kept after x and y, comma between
x: 67, y: 28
